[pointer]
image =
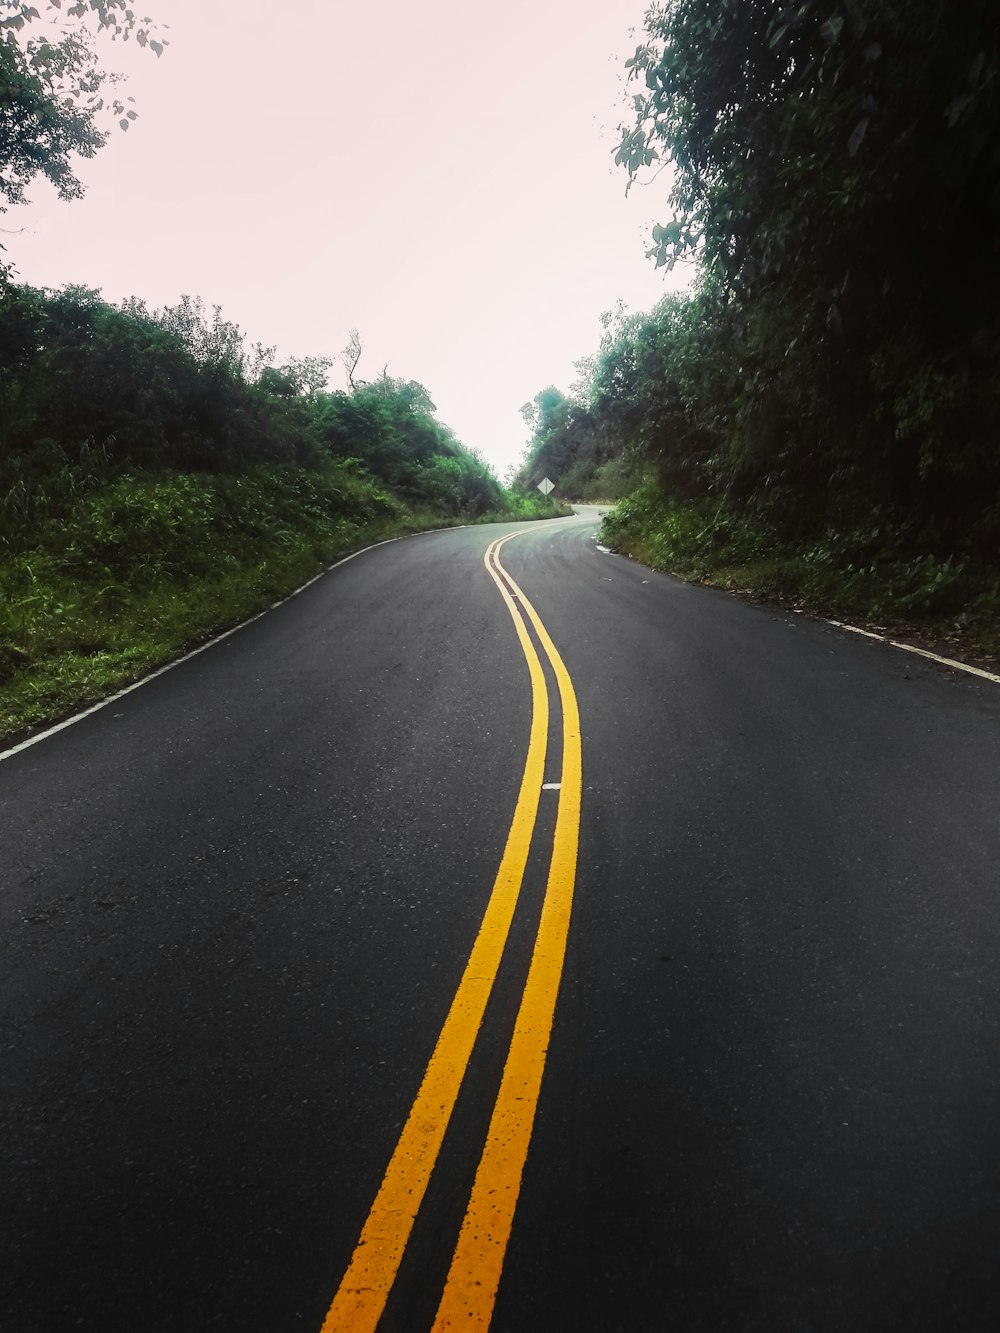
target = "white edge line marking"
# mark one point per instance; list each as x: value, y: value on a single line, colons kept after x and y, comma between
x: 169, y: 666
x: 920, y: 652
x: 891, y: 643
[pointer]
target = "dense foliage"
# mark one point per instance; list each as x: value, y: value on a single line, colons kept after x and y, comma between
x: 56, y: 99
x: 159, y: 479
x: 833, y: 372
x: 179, y: 389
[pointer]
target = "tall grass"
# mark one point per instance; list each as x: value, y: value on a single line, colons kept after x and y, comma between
x: 98, y: 584
x: 862, y: 575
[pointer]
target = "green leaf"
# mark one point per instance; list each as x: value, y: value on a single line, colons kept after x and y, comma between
x: 831, y: 29
x: 857, y: 134
x: 668, y: 235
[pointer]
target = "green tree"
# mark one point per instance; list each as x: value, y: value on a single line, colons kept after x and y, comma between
x: 308, y: 374
x: 836, y: 170
x: 794, y: 129
x: 55, y: 98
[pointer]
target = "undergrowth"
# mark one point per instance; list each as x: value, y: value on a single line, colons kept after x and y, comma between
x: 867, y: 576
x: 527, y: 508
x: 105, y: 574
x: 99, y: 584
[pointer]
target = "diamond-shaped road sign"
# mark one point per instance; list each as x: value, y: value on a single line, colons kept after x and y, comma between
x: 545, y: 486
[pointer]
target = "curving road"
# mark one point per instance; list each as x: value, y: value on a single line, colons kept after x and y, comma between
x: 238, y: 906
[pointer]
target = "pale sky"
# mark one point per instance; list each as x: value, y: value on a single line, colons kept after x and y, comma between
x: 438, y: 175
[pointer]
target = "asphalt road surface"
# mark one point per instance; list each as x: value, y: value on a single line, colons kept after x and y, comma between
x: 251, y: 1080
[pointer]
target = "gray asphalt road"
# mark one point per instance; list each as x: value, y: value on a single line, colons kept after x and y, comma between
x: 238, y: 902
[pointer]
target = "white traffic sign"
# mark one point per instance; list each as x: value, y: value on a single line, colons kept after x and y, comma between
x: 545, y: 486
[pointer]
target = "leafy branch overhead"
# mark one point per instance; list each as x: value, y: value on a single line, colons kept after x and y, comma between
x: 55, y: 97
x: 787, y: 125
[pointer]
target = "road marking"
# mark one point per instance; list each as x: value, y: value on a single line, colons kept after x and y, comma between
x: 474, y: 1277
x: 920, y: 652
x: 951, y: 662
x: 362, y: 1294
x: 218, y: 638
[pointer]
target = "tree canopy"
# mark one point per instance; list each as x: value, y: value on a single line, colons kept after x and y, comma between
x: 835, y: 175
x: 180, y: 388
x: 55, y: 98
x: 820, y: 136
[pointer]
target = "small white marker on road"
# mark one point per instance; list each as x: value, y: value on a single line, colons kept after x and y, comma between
x: 551, y: 786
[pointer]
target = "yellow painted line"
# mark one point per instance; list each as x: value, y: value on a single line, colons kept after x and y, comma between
x: 470, y: 1291
x: 361, y: 1297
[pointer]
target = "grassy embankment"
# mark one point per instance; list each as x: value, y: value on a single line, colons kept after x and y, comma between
x: 861, y: 577
x: 161, y: 481
x: 120, y: 578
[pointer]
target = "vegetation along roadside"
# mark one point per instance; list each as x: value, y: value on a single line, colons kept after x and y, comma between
x: 815, y: 419
x: 160, y: 481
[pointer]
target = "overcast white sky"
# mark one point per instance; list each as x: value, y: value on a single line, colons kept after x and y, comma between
x: 438, y: 175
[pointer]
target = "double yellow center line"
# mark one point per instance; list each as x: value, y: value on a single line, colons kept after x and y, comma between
x: 472, y: 1282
